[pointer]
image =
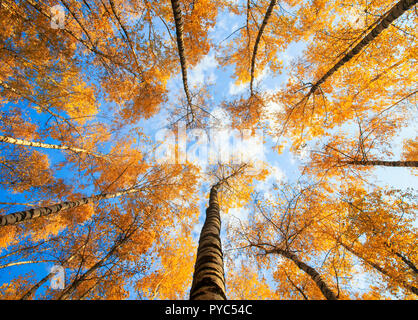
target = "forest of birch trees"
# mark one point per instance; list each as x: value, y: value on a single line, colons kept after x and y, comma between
x: 92, y: 92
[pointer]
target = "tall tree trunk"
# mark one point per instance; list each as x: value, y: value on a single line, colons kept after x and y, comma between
x: 412, y: 164
x: 175, y: 4
x: 397, y: 10
x: 257, y: 40
x: 374, y: 265
x: 315, y: 276
x: 208, y: 278
x: 16, y: 217
x: 22, y: 142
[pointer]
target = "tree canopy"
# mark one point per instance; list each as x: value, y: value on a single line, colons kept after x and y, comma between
x: 293, y: 122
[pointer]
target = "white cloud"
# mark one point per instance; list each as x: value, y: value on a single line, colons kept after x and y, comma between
x: 303, y: 153
x: 354, y: 17
x: 274, y: 107
x: 270, y: 113
x: 276, y: 175
x: 220, y: 118
x: 285, y: 57
x: 239, y: 213
x: 203, y: 71
x: 236, y: 89
x: 235, y: 217
x: 197, y: 228
x: 262, y: 75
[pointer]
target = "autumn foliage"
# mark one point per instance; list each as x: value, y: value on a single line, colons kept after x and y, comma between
x: 85, y: 86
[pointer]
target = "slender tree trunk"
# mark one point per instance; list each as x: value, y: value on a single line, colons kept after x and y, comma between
x: 374, y: 265
x: 297, y: 288
x: 405, y: 260
x: 22, y: 142
x: 408, y: 262
x: 257, y: 40
x: 397, y: 10
x: 17, y: 204
x: 88, y: 291
x: 412, y: 164
x: 86, y: 43
x: 32, y: 100
x: 11, y: 264
x: 128, y: 38
x: 315, y: 276
x: 16, y: 217
x: 22, y: 249
x: 66, y: 293
x: 208, y: 278
x: 32, y: 290
x: 175, y: 4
